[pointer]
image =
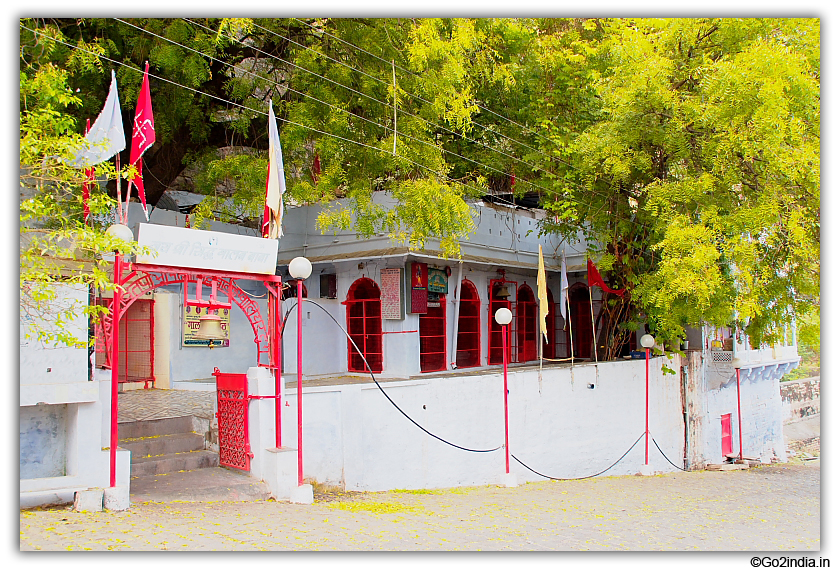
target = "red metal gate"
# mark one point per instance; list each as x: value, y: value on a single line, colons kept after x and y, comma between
x: 232, y: 394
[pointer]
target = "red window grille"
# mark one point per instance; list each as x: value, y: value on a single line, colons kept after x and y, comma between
x: 433, y: 337
x: 580, y: 320
x: 137, y: 342
x: 364, y: 325
x: 726, y: 434
x: 526, y: 324
x: 468, y: 351
x: 550, y: 346
x: 500, y: 291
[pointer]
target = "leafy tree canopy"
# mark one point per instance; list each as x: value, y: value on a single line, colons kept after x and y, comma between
x: 685, y: 150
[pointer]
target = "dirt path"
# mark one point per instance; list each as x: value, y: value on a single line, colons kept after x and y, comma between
x: 766, y: 508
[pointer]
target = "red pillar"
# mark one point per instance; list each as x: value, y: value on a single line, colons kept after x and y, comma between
x: 115, y: 364
x: 278, y: 376
x: 300, y: 379
x: 647, y: 399
x: 740, y: 431
x: 505, y: 361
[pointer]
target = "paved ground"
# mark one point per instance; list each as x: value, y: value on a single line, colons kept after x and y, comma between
x: 734, y: 510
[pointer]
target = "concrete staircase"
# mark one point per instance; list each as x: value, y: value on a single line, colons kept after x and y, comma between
x: 166, y: 445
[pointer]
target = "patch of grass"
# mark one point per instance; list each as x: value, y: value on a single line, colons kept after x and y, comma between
x: 417, y: 491
x: 375, y: 507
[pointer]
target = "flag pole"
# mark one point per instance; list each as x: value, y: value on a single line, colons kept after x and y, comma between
x: 592, y: 314
x: 119, y: 192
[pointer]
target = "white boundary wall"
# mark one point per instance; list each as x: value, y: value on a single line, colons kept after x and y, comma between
x: 53, y: 379
x: 353, y: 436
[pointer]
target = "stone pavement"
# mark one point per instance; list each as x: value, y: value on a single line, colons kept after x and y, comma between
x: 768, y: 508
x: 155, y: 404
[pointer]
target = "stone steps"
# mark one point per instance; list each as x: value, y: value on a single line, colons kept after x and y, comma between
x: 143, y: 447
x: 163, y: 446
x: 173, y: 463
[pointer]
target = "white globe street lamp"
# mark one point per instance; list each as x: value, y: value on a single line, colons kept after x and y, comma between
x: 120, y: 231
x: 503, y: 316
x: 300, y: 268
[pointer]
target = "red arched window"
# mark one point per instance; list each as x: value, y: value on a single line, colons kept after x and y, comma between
x: 550, y: 347
x: 526, y: 324
x: 580, y: 320
x: 364, y: 325
x: 468, y: 351
x: 433, y: 336
x: 500, y: 291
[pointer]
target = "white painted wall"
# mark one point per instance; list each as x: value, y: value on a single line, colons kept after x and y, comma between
x: 82, y: 400
x: 560, y: 427
x: 761, y: 415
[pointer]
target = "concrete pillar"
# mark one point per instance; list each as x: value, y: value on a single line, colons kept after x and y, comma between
x: 276, y: 466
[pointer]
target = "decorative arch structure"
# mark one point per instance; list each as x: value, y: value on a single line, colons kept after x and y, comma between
x: 141, y: 278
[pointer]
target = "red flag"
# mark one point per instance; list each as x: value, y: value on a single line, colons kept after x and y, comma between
x: 86, y: 185
x: 142, y: 136
x: 594, y: 278
x: 316, y: 168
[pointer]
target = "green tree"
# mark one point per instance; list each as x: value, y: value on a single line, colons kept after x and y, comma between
x: 699, y: 175
x: 56, y: 246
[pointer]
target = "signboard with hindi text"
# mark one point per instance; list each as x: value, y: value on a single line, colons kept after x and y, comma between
x: 391, y: 286
x: 192, y: 318
x: 201, y: 249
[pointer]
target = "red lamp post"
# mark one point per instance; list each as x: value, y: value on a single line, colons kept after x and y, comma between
x: 124, y: 233
x: 503, y: 317
x: 300, y: 268
x: 737, y: 363
x: 647, y: 342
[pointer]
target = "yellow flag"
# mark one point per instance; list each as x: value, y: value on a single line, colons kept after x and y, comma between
x: 542, y: 293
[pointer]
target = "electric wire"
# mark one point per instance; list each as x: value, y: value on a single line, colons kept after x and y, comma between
x: 665, y: 456
x: 426, y: 101
x: 418, y: 97
x: 313, y: 129
x: 579, y: 478
x: 370, y: 371
x: 385, y: 127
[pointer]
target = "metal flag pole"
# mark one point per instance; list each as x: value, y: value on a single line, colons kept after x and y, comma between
x: 594, y: 338
x: 119, y: 193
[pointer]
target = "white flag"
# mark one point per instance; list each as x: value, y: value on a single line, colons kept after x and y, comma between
x: 564, y: 287
x: 275, y: 185
x: 106, y: 137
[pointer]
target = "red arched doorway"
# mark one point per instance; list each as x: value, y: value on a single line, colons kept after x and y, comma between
x: 580, y: 320
x: 526, y: 324
x: 550, y: 347
x: 364, y: 325
x: 433, y: 336
x: 499, y: 295
x: 468, y: 351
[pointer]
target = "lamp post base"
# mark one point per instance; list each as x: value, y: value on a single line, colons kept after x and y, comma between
x: 302, y: 495
x: 646, y: 470
x: 509, y: 480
